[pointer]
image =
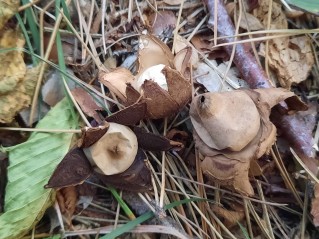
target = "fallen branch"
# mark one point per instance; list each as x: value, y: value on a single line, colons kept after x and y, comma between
x: 255, y: 76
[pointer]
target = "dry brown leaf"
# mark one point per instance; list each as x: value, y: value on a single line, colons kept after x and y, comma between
x: 247, y: 21
x: 180, y: 44
x: 67, y: 199
x: 116, y: 81
x: 202, y: 43
x: 161, y: 22
x: 182, y: 61
x: 291, y: 58
x: 231, y: 217
x: 233, y: 128
x: 8, y: 9
x: 87, y: 103
x: 153, y: 51
x: 16, y: 82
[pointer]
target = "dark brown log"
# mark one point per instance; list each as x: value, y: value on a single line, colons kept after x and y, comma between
x: 255, y: 76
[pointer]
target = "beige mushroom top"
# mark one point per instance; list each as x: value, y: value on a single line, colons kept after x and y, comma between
x: 115, y: 151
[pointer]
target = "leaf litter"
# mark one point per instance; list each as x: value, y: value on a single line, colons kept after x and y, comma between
x: 233, y: 137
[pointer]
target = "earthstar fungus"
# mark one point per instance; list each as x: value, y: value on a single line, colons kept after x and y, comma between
x: 157, y: 83
x: 233, y: 128
x: 113, y: 152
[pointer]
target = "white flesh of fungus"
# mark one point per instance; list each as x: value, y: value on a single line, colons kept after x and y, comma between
x: 153, y: 73
x: 115, y: 151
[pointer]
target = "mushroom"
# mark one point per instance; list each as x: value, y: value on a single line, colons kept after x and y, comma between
x: 164, y: 89
x: 114, y: 152
x: 233, y: 128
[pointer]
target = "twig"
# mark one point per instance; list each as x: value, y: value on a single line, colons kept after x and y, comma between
x: 255, y: 76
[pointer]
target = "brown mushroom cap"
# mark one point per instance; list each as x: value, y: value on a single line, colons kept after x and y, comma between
x: 115, y: 151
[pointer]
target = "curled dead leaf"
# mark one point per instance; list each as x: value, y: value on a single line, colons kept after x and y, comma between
x: 67, y: 199
x: 233, y: 128
x: 87, y: 103
x: 162, y: 21
x: 116, y: 81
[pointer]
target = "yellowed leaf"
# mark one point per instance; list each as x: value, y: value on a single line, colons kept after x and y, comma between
x: 7, y: 9
x: 16, y: 82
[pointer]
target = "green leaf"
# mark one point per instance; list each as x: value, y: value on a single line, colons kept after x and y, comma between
x: 30, y: 167
x: 311, y: 6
